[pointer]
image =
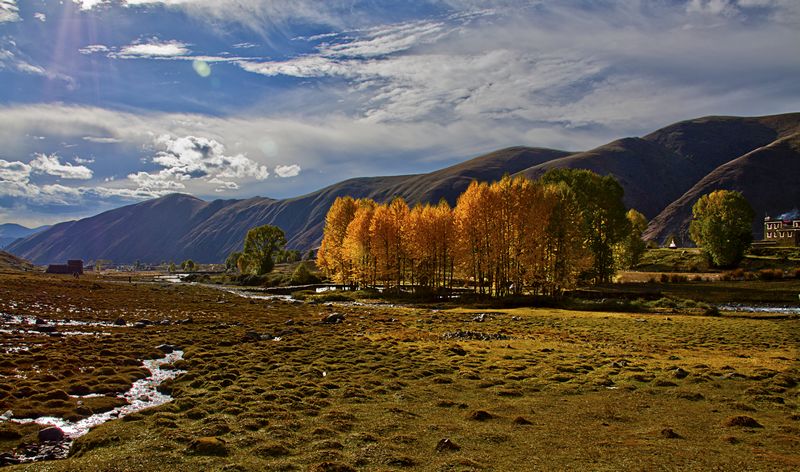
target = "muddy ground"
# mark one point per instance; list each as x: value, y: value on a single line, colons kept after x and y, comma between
x: 269, y: 386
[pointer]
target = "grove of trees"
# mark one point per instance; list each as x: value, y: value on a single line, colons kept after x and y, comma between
x: 504, y: 238
x: 721, y: 226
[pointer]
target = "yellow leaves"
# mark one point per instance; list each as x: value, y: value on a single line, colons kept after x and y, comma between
x: 505, y: 237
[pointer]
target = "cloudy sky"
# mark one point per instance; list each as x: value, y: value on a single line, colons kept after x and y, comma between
x: 109, y: 102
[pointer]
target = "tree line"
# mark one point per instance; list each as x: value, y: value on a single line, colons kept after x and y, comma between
x: 503, y: 238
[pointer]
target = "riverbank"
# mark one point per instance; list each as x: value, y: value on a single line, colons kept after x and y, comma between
x: 274, y: 385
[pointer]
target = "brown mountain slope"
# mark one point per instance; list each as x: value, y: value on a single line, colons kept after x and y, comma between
x: 767, y: 176
x: 657, y: 169
x: 178, y: 227
x: 12, y: 263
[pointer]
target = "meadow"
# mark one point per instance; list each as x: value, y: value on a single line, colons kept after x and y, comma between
x: 277, y: 385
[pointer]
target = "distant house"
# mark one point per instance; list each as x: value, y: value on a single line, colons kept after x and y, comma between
x: 72, y: 267
x: 782, y: 232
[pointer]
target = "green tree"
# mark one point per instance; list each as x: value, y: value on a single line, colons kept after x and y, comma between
x: 188, y: 265
x: 603, y: 215
x: 232, y: 262
x: 260, y: 246
x: 303, y: 276
x: 172, y: 267
x: 721, y: 226
x: 630, y: 250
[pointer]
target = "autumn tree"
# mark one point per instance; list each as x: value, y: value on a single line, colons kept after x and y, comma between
x: 260, y: 246
x: 357, y: 244
x: 475, y: 227
x: 565, y: 253
x: 330, y: 258
x: 603, y: 215
x: 386, y: 242
x: 631, y: 248
x: 721, y: 226
x: 429, y: 233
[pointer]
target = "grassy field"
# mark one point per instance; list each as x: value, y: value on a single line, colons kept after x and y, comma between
x: 692, y: 260
x: 524, y: 389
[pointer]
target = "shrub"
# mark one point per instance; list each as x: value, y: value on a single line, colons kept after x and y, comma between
x: 770, y: 274
x: 677, y: 278
x: 797, y: 273
x: 664, y: 278
x: 302, y: 276
x: 249, y: 280
x: 697, y: 278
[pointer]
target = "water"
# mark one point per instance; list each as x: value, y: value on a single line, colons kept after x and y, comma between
x: 786, y: 310
x: 142, y: 394
x: 260, y: 296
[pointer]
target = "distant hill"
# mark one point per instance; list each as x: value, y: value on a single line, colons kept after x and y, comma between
x: 663, y: 174
x: 12, y: 263
x: 178, y: 227
x: 659, y: 168
x: 10, y: 232
x: 767, y: 176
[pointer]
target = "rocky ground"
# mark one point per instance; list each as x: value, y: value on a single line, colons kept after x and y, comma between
x: 274, y: 385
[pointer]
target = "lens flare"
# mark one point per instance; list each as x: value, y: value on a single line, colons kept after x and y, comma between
x: 201, y: 67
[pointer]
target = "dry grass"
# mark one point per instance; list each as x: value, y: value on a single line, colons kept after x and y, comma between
x: 560, y: 391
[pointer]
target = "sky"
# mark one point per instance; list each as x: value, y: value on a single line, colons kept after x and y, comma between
x: 104, y: 103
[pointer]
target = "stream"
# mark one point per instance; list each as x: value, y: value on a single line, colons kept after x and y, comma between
x: 142, y: 394
x: 743, y: 308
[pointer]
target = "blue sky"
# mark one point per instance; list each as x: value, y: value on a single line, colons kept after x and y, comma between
x: 105, y: 103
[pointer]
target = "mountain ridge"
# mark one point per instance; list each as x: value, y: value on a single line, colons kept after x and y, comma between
x: 661, y: 172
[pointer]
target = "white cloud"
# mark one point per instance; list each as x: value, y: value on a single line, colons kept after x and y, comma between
x: 101, y: 139
x: 163, y: 180
x: 287, y: 171
x: 191, y: 158
x: 80, y: 160
x: 15, y: 171
x: 12, y: 58
x: 154, y: 49
x: 388, y: 39
x: 712, y: 7
x: 304, y: 66
x: 9, y: 11
x: 93, y: 48
x: 40, y: 16
x: 51, y: 165
x: 89, y: 4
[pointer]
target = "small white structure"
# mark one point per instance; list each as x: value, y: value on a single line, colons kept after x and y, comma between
x: 672, y: 244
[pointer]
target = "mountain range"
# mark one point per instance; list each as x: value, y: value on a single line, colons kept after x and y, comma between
x: 663, y: 174
x: 10, y: 232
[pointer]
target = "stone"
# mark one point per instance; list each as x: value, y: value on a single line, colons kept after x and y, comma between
x: 51, y: 434
x: 480, y: 415
x: 446, y: 445
x: 742, y: 420
x: 7, y: 458
x: 522, y: 421
x: 458, y: 350
x: 333, y: 318
x: 480, y: 318
x: 120, y: 322
x: 669, y: 433
x: 167, y: 348
x: 679, y: 373
x: 209, y: 446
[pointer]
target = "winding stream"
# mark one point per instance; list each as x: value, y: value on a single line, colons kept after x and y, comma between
x: 142, y: 394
